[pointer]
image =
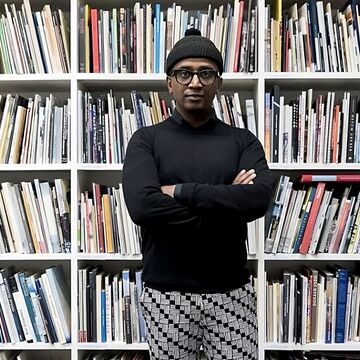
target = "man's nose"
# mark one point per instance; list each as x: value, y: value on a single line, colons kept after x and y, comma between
x: 195, y: 81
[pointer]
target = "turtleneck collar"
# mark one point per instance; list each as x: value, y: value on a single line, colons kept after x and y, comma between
x: 178, y: 119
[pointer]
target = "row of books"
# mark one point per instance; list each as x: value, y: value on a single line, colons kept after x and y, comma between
x: 109, y: 306
x: 106, y: 227
x: 43, y: 207
x: 122, y: 355
x: 33, y: 42
x: 106, y: 123
x: 35, y: 217
x: 35, y: 307
x: 34, y: 130
x: 310, y: 128
x: 105, y: 224
x: 318, y: 218
x: 313, y: 355
x: 138, y: 39
x: 230, y: 109
x: 312, y: 38
x: 313, y: 306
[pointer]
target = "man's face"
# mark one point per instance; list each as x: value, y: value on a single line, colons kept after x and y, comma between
x: 194, y: 97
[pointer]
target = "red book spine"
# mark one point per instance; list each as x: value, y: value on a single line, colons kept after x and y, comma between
x: 345, y: 178
x: 164, y: 109
x: 238, y: 36
x: 95, y: 40
x: 305, y: 243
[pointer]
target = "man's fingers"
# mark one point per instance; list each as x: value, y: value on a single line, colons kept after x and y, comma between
x: 239, y: 176
x: 244, y: 177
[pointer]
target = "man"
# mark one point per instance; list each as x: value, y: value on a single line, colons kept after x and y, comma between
x: 192, y: 183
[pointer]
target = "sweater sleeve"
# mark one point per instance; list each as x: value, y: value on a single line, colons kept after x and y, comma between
x: 142, y: 190
x: 248, y: 201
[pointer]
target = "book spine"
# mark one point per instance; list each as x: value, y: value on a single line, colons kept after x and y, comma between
x: 95, y: 40
x: 127, y: 307
x: 330, y: 178
x: 5, y: 335
x: 103, y: 316
x: 29, y: 305
x: 307, y: 238
x: 46, y: 313
x: 342, y: 276
x: 4, y: 279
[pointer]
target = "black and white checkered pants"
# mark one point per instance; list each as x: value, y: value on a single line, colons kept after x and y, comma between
x: 179, y: 323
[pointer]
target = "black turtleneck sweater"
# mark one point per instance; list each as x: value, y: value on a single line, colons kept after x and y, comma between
x: 196, y: 241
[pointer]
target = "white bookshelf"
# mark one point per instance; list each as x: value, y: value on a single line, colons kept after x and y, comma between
x: 80, y: 174
x: 350, y: 346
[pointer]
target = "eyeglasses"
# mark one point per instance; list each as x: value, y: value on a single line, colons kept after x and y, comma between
x: 184, y: 77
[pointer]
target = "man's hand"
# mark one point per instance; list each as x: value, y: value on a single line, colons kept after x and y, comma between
x: 168, y: 190
x: 245, y: 177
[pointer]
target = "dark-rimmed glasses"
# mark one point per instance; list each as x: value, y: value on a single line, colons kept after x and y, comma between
x: 184, y: 77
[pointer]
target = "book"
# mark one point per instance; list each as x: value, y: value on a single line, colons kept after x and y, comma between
x: 347, y: 178
x: 308, y: 232
x: 139, y: 286
x: 61, y: 295
x: 7, y: 282
x: 304, y: 216
x: 342, y: 276
x: 276, y: 212
x: 127, y: 306
x: 48, y: 320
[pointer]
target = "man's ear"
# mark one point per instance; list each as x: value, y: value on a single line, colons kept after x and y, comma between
x: 169, y: 84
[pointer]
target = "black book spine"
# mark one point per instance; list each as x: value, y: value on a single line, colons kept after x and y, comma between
x: 295, y: 130
x: 45, y: 309
x: 82, y: 39
x: 4, y: 279
x: 4, y: 330
x: 92, y: 305
x: 65, y: 133
x: 351, y: 130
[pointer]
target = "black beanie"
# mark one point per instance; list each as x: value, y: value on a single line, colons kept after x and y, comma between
x: 193, y: 45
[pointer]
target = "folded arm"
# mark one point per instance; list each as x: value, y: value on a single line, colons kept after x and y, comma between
x: 146, y: 203
x: 249, y: 200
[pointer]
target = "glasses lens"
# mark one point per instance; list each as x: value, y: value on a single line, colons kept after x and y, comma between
x: 207, y: 77
x: 183, y: 76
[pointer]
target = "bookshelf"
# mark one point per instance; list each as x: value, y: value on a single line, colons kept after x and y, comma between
x: 81, y: 174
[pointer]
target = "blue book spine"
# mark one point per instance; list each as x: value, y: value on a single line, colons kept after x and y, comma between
x: 103, y: 316
x: 342, y: 281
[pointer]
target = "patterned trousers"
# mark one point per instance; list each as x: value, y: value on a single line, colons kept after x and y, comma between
x: 225, y: 325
